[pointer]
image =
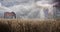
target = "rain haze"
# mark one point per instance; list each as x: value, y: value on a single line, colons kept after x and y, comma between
x: 32, y: 9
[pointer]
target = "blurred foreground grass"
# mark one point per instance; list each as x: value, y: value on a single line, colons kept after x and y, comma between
x: 28, y: 25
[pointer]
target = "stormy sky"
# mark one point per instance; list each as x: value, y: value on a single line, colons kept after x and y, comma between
x: 9, y: 3
x: 24, y: 8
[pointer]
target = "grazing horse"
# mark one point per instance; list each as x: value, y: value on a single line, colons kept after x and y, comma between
x: 9, y: 15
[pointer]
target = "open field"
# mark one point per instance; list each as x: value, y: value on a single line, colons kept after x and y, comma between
x: 28, y: 25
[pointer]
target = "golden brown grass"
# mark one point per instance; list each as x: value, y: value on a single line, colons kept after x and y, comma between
x: 21, y: 25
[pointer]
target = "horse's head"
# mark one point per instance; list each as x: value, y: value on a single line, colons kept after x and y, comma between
x: 13, y: 13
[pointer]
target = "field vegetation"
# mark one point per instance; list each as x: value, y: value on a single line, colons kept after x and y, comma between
x: 25, y: 25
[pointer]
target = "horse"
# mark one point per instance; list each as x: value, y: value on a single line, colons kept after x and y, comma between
x: 9, y: 15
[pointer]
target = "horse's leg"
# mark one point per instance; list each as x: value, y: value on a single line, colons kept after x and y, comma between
x: 4, y: 16
x: 14, y: 16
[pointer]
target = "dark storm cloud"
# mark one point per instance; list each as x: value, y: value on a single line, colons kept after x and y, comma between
x: 58, y: 3
x: 57, y: 0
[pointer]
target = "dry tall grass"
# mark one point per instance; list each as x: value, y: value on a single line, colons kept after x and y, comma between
x: 29, y: 25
